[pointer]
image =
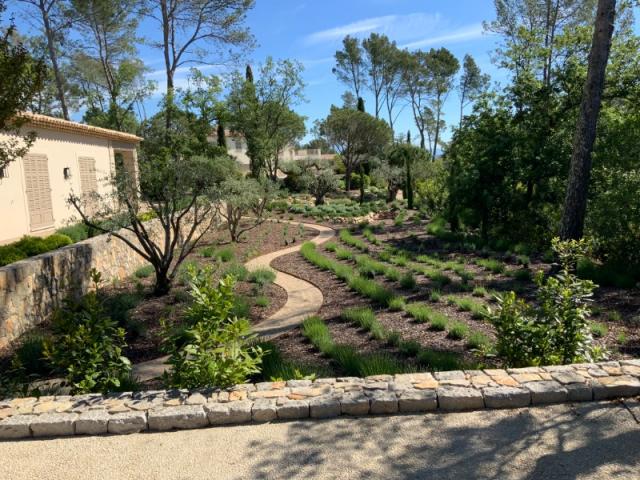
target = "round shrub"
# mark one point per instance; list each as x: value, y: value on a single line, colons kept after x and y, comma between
x: 10, y: 254
x: 57, y: 240
x: 31, y: 246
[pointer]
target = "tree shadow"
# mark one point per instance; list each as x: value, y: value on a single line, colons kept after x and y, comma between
x: 553, y: 442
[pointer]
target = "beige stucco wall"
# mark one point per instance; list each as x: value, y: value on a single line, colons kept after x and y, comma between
x: 62, y: 150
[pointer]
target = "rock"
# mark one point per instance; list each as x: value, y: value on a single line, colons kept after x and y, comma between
x: 53, y: 424
x: 269, y: 393
x: 547, y: 391
x: 426, y: 385
x: 94, y: 422
x: 293, y: 409
x: 324, y: 407
x: 383, y: 402
x: 127, y: 422
x: 614, y: 387
x: 376, y: 386
x: 355, y: 404
x: 459, y: 398
x: 579, y: 392
x: 197, y: 399
x: 298, y: 383
x: 16, y: 426
x: 182, y: 417
x: 450, y: 375
x: 264, y: 410
x: 417, y: 401
x: 228, y: 413
x: 506, y: 397
x: 568, y: 377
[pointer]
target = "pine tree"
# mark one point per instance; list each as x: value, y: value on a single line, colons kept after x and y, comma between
x: 360, y: 104
x: 249, y: 74
x: 222, y: 141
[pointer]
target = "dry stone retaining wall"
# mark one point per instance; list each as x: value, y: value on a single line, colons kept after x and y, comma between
x: 328, y: 397
x: 31, y: 289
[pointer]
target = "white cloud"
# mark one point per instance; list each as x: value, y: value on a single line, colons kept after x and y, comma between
x: 467, y: 33
x: 398, y: 27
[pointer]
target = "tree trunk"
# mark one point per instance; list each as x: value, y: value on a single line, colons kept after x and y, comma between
x: 361, y: 183
x: 436, y: 135
x: 575, y: 204
x: 409, y: 187
x: 347, y: 178
x: 162, y: 285
x: 53, y: 56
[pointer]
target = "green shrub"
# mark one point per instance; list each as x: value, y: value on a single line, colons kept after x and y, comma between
x: 439, y: 361
x: 241, y: 307
x: 521, y: 274
x: 314, y: 329
x: 599, y: 330
x: 349, y: 239
x: 225, y: 254
x: 76, y: 233
x: 10, y: 254
x: 495, y: 266
x: 408, y: 281
x: 479, y: 292
x: 30, y: 355
x: 277, y: 368
x: 216, y: 348
x: 343, y: 254
x: 410, y: 348
x: 56, y: 240
x: 397, y: 304
x: 331, y: 246
x: 208, y: 252
x: 435, y: 296
x: 238, y: 271
x: 144, y: 272
x: 458, y: 330
x: 478, y: 341
x: 262, y: 301
x: 366, y: 319
x: 117, y: 306
x: 607, y: 275
x: 556, y: 330
x: 439, y: 322
x: 392, y: 274
x: 419, y: 312
x: 87, y: 346
x: 262, y: 276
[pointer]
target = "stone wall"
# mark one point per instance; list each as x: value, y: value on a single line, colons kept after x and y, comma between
x: 31, y: 289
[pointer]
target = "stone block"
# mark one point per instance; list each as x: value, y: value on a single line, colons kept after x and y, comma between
x: 53, y: 424
x: 93, y: 422
x: 616, y: 387
x: 547, y: 391
x: 182, y: 418
x: 383, y: 402
x: 506, y: 397
x: 293, y: 409
x: 324, y: 407
x: 354, y: 404
x: 15, y: 427
x: 229, y: 413
x: 417, y: 401
x: 568, y: 377
x: 264, y: 410
x: 459, y: 398
x: 450, y: 375
x: 299, y: 383
x: 579, y: 392
x: 127, y: 422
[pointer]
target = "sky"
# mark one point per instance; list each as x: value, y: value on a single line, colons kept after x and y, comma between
x: 310, y: 31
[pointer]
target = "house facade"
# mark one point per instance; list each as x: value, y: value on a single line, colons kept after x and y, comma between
x: 66, y: 157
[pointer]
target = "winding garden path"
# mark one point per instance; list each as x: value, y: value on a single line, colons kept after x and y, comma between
x: 303, y: 299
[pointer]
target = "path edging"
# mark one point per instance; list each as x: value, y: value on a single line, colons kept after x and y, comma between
x: 449, y: 391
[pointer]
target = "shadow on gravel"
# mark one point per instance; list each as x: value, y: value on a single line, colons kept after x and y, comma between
x: 557, y: 442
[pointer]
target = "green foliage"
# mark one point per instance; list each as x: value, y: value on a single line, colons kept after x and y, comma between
x: 598, y: 330
x: 331, y: 246
x: 144, y: 272
x: 275, y: 367
x: 457, y: 330
x: 369, y: 267
x: 318, y: 334
x: 238, y: 271
x: 30, y: 246
x: 435, y: 296
x: 478, y: 341
x: 10, y: 254
x: 608, y: 275
x: 370, y: 236
x: 344, y: 254
x: 408, y: 281
x: 420, y: 312
x: 493, y: 265
x: 262, y: 301
x: 397, y: 304
x: 349, y: 239
x: 262, y: 276
x: 30, y: 355
x: 554, y: 331
x: 366, y: 319
x: 87, y: 346
x: 438, y: 360
x: 439, y: 322
x: 479, y: 292
x: 216, y: 347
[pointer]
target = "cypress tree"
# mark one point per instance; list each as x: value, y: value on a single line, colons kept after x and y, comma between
x: 222, y: 141
x: 360, y: 104
x: 249, y: 74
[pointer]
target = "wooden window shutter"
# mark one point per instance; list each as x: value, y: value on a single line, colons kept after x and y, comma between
x: 38, y: 190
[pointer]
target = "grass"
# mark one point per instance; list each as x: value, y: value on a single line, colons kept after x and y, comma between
x: 614, y: 316
x: 369, y: 235
x: 208, y: 252
x: 457, y: 330
x: 144, y: 272
x: 521, y: 274
x: 479, y: 292
x: 491, y: 264
x: 411, y: 348
x: 369, y: 267
x: 392, y: 274
x: 318, y: 334
x: 435, y: 296
x: 439, y: 361
x: 262, y: 276
x: 599, y: 330
x: 365, y: 318
x: 397, y: 304
x: 275, y: 367
x: 343, y: 254
x: 331, y: 246
x: 478, y: 341
x: 225, y: 255
x: 464, y: 304
x: 419, y: 312
x: 349, y: 239
x: 262, y: 301
x: 439, y: 322
x: 371, y: 289
x: 238, y: 271
x: 408, y: 281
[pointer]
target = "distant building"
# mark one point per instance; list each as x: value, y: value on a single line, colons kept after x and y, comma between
x: 65, y: 157
x: 237, y: 148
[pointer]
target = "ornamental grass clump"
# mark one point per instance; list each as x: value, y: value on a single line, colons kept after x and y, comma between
x: 557, y: 329
x: 215, y: 348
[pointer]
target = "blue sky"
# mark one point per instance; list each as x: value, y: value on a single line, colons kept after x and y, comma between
x: 311, y: 30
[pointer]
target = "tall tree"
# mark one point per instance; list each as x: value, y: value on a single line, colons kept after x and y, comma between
x: 442, y: 68
x: 355, y: 136
x: 55, y: 20
x: 392, y: 80
x: 262, y: 112
x: 195, y: 31
x: 22, y: 79
x: 106, y: 61
x: 416, y: 88
x: 472, y: 83
x: 575, y: 205
x: 377, y: 49
x: 349, y: 66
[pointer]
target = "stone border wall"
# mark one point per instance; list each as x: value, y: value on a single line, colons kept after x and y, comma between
x: 31, y: 289
x: 164, y: 410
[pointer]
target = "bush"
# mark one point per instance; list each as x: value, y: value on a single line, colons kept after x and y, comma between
x: 419, y: 312
x: 76, y: 233
x: 344, y: 254
x: 439, y: 361
x: 331, y: 246
x: 56, y: 240
x: 237, y: 271
x: 397, y: 304
x: 216, y: 347
x: 144, y: 272
x: 31, y: 245
x: 458, y: 330
x: 408, y: 281
x: 277, y: 368
x: 478, y: 341
x: 88, y: 345
x: 556, y: 330
x: 10, y: 254
x: 262, y: 276
x: 225, y: 255
x: 262, y: 301
x: 30, y: 355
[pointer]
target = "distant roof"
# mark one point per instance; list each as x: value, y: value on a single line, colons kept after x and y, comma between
x: 59, y: 124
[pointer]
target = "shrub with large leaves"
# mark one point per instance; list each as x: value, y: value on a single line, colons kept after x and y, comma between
x: 216, y: 348
x: 556, y: 329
